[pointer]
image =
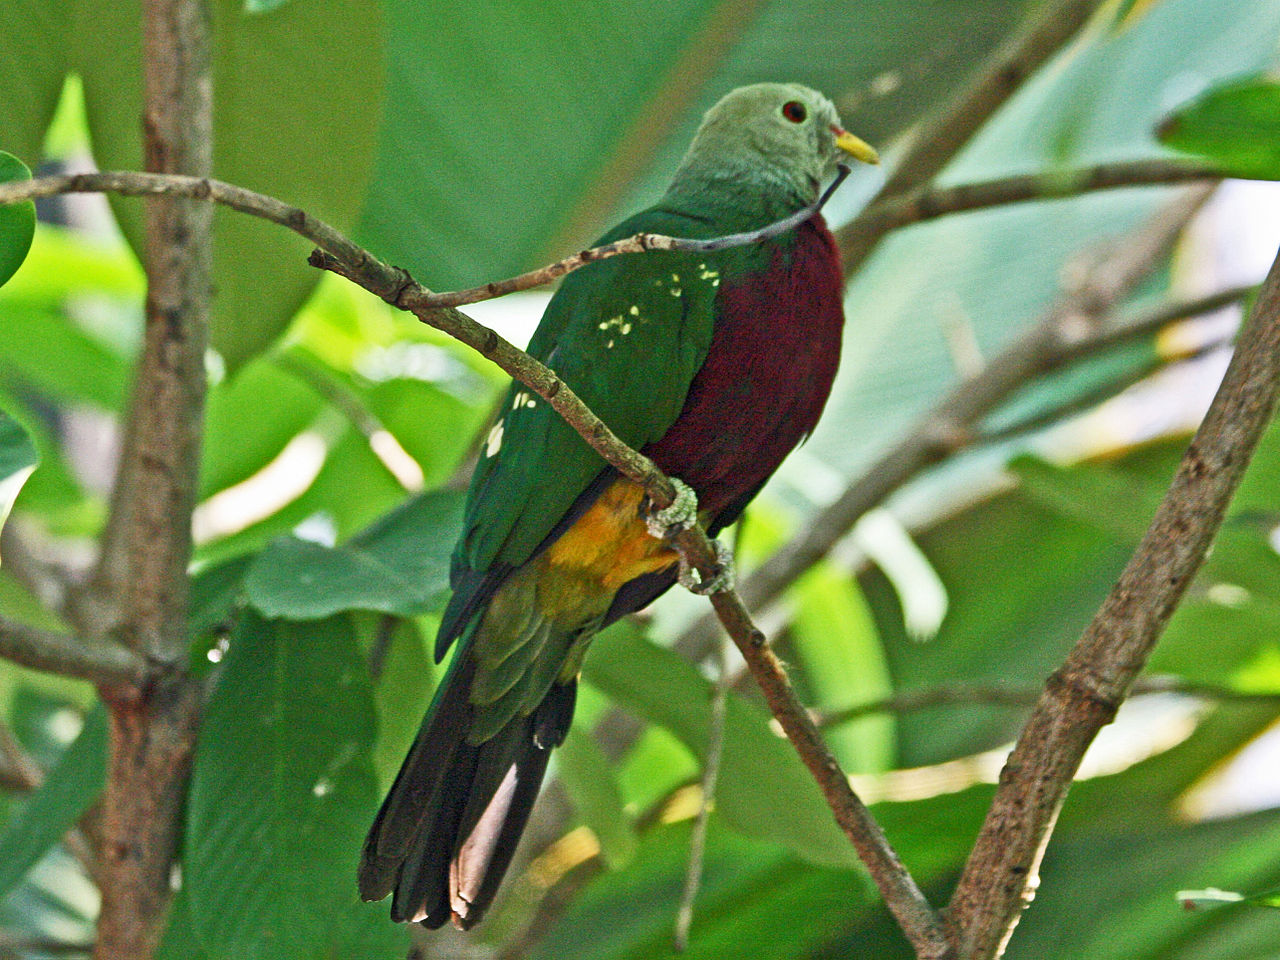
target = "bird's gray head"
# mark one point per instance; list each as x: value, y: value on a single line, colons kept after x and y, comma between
x: 783, y: 135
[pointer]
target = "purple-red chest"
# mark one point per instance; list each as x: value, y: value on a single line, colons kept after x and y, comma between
x: 768, y: 372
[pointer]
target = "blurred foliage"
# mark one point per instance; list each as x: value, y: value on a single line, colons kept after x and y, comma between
x: 17, y: 221
x: 467, y: 142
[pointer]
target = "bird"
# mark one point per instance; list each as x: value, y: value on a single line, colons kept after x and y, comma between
x: 715, y: 365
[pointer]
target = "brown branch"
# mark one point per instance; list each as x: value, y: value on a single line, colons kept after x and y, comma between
x: 710, y: 778
x: 1001, y: 695
x: 146, y: 549
x: 949, y: 425
x: 940, y: 137
x: 331, y: 241
x: 108, y: 663
x: 1083, y: 695
x: 930, y: 203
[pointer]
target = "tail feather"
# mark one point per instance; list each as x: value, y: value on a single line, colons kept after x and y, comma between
x: 451, y: 822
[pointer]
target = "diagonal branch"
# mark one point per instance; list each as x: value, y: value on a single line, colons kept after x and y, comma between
x: 1083, y: 695
x: 930, y: 202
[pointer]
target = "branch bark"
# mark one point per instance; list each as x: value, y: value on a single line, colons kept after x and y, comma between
x: 147, y: 543
x: 1083, y: 695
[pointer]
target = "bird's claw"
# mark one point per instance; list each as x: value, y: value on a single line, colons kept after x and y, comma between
x: 725, y: 579
x: 680, y: 515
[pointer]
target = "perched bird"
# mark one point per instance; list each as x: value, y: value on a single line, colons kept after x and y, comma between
x: 715, y: 365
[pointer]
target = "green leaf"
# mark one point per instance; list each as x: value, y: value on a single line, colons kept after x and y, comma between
x: 402, y: 693
x: 592, y: 786
x: 33, y: 61
x: 17, y: 220
x: 44, y: 819
x: 297, y: 117
x: 399, y: 565
x: 764, y: 790
x: 1235, y: 124
x: 281, y: 794
x: 17, y: 459
x: 618, y: 94
x: 837, y: 643
x: 179, y: 940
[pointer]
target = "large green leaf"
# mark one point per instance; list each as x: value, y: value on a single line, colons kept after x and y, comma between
x: 17, y: 220
x: 1236, y: 125
x: 296, y: 116
x: 399, y: 565
x: 521, y: 139
x: 590, y: 781
x: 33, y: 59
x: 843, y: 662
x: 281, y: 794
x: 1125, y: 884
x: 763, y: 789
x: 71, y: 786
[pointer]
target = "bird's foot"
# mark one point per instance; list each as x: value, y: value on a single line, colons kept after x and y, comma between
x: 725, y: 579
x: 680, y: 515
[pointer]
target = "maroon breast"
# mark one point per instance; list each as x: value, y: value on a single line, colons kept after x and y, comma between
x: 767, y: 375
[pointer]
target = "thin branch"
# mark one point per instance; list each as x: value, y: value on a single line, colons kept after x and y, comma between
x: 930, y: 203
x: 1002, y: 695
x: 108, y: 663
x: 1083, y: 695
x: 939, y: 138
x: 949, y: 426
x: 710, y: 777
x: 343, y: 251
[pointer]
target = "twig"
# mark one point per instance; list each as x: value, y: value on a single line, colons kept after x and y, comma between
x: 1084, y: 693
x: 930, y: 203
x: 106, y: 662
x: 971, y: 694
x: 940, y: 137
x: 710, y: 777
x: 343, y: 251
x: 949, y: 425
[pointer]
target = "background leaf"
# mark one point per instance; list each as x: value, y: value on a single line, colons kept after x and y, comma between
x: 67, y: 792
x: 1235, y: 124
x: 17, y: 220
x: 281, y: 794
x: 297, y: 118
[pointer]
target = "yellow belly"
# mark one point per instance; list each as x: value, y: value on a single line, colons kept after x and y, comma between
x: 607, y: 546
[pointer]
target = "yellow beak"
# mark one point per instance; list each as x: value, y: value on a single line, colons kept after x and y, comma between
x: 856, y: 147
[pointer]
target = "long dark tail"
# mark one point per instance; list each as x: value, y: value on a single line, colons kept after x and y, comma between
x: 450, y: 824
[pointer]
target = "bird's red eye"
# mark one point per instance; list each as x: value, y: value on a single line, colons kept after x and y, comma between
x: 794, y: 111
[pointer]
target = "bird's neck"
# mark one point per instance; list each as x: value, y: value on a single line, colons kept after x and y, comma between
x: 742, y: 197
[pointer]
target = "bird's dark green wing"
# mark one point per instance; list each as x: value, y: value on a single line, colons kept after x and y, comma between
x: 627, y: 334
